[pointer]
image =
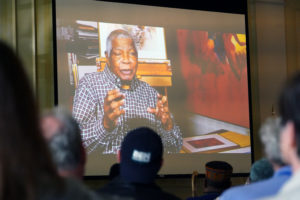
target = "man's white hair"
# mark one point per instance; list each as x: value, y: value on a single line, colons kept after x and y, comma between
x: 270, y: 137
x: 119, y: 33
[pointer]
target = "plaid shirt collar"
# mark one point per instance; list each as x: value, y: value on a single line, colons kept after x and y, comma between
x: 117, y: 81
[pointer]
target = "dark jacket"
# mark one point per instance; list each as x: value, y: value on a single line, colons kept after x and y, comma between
x: 136, y: 191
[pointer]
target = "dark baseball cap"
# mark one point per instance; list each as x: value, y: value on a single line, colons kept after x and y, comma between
x: 141, y: 155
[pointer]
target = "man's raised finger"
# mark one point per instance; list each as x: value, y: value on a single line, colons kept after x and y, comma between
x: 117, y: 104
x: 114, y: 96
x: 116, y: 114
x: 152, y: 110
x: 164, y: 99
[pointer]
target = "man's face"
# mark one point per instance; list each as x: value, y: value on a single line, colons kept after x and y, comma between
x: 123, y: 58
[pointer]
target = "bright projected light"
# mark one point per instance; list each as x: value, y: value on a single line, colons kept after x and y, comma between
x: 180, y: 72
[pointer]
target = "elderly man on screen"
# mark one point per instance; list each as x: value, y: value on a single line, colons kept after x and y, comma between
x: 110, y: 103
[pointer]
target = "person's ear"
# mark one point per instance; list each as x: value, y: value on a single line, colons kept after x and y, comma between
x: 288, y: 143
x: 119, y: 156
x: 289, y: 133
x: 107, y: 58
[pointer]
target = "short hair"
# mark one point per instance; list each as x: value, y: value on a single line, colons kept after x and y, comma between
x: 270, y: 137
x: 289, y: 105
x: 119, y: 33
x: 66, y: 144
x: 260, y: 170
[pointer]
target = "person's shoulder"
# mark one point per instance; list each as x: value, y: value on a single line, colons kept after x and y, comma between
x: 235, y: 192
x: 207, y: 196
x: 254, y: 190
x: 77, y: 190
x: 169, y: 196
x: 92, y: 78
x: 117, y: 187
x: 152, y: 191
x: 70, y: 189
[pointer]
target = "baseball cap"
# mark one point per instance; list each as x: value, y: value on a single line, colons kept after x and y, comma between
x: 141, y: 155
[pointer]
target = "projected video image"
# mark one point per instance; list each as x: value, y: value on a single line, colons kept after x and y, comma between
x: 116, y: 77
x: 114, y: 100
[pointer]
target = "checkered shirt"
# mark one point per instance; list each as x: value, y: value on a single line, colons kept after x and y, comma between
x: 88, y: 111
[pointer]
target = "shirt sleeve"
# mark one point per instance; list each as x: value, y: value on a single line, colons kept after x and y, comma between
x: 171, y: 139
x: 87, y: 113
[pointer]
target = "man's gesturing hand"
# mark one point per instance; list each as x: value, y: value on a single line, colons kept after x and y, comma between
x: 112, y: 102
x: 162, y: 112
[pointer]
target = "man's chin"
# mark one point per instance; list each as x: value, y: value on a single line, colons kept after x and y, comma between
x: 126, y: 82
x: 126, y: 78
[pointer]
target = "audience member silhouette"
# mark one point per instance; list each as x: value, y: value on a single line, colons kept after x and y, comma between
x: 62, y: 133
x: 26, y: 169
x: 140, y: 160
x: 289, y: 109
x: 266, y: 175
x: 217, y: 179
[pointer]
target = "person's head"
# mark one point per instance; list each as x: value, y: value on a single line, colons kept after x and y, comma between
x: 217, y: 177
x: 24, y: 156
x: 270, y: 137
x: 289, y: 108
x: 141, y: 156
x: 121, y: 54
x: 260, y: 170
x: 62, y: 133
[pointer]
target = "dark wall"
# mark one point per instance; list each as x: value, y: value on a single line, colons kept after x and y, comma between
x: 231, y: 6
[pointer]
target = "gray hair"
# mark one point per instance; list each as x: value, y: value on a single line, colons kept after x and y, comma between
x: 66, y: 144
x: 270, y: 138
x: 119, y: 33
